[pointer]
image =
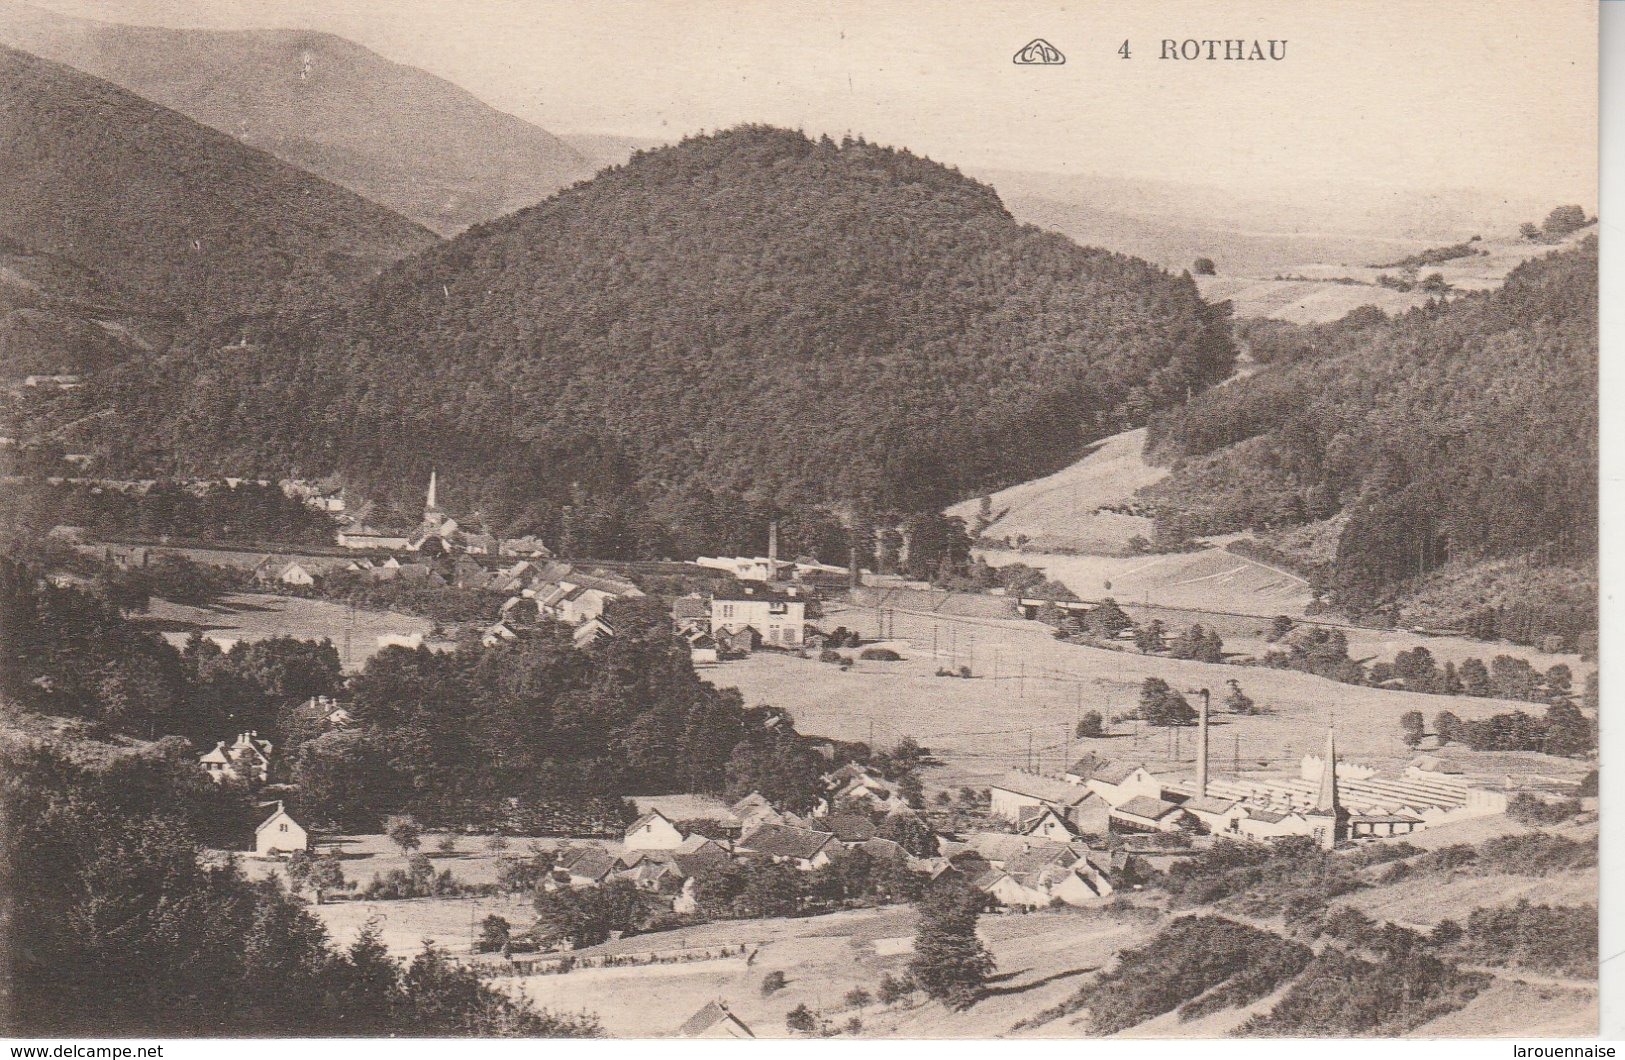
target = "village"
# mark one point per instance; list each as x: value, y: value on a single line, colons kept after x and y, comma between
x: 1084, y: 823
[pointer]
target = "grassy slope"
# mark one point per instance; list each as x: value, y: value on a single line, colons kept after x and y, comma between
x: 1062, y: 511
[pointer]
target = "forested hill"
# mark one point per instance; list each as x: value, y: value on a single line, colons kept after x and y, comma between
x: 172, y: 209
x: 1457, y: 433
x: 393, y: 133
x: 739, y: 323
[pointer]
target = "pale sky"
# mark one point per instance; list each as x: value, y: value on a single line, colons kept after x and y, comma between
x: 1496, y: 94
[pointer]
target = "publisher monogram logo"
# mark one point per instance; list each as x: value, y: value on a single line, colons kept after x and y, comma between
x: 1039, y: 52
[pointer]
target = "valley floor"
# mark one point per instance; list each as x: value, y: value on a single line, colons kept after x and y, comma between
x: 1029, y: 689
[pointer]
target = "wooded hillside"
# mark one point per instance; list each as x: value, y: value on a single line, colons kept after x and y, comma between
x: 178, y: 212
x: 743, y: 323
x: 1463, y: 431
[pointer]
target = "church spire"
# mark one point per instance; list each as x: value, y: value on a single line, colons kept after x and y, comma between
x: 1326, y: 799
x: 431, y: 505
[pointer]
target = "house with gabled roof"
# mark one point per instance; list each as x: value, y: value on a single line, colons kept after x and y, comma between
x: 587, y: 866
x: 653, y: 831
x: 1081, y: 884
x: 1217, y: 815
x: 1007, y: 890
x: 850, y: 828
x: 714, y: 1021
x: 1047, y: 824
x: 1146, y: 814
x: 1118, y: 782
x: 591, y: 632
x: 499, y: 633
x: 1018, y: 790
x: 248, y: 756
x: 804, y: 848
x: 280, y: 834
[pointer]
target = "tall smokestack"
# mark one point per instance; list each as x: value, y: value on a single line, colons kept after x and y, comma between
x: 1201, y: 749
x: 852, y: 568
x: 773, y: 550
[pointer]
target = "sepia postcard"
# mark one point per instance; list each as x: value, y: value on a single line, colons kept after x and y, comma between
x: 767, y: 519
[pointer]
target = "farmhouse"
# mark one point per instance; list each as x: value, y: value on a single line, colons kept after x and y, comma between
x: 279, y: 834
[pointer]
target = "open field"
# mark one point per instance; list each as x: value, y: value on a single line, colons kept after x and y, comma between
x: 259, y: 616
x: 1029, y: 689
x: 405, y: 924
x: 1313, y: 295
x: 1059, y: 510
x: 1040, y: 958
x: 1211, y: 579
x: 1237, y: 596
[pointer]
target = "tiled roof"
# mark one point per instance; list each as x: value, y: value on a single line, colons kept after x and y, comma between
x: 1114, y: 772
x: 782, y: 841
x: 1147, y: 807
x: 848, y: 827
x: 1210, y: 804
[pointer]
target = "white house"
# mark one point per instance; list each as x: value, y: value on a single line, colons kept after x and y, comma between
x: 296, y: 574
x: 248, y: 756
x: 653, y: 831
x: 279, y: 834
x: 500, y: 633
x: 1118, y: 782
x: 778, y: 617
x: 1081, y: 885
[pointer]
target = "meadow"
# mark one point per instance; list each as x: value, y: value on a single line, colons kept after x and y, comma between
x: 259, y: 616
x: 1027, y: 690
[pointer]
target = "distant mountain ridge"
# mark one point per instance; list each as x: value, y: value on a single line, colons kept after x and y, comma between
x: 188, y: 218
x: 395, y: 134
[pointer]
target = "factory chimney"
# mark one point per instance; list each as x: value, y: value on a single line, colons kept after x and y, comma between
x: 773, y: 550
x: 1201, y: 747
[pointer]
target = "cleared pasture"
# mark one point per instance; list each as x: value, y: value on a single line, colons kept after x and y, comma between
x: 261, y: 616
x: 1028, y: 690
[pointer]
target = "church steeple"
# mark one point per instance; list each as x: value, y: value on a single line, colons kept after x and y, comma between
x: 431, y: 506
x: 1326, y: 798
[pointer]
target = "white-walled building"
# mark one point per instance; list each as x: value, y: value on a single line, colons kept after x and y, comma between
x: 778, y: 618
x: 279, y: 834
